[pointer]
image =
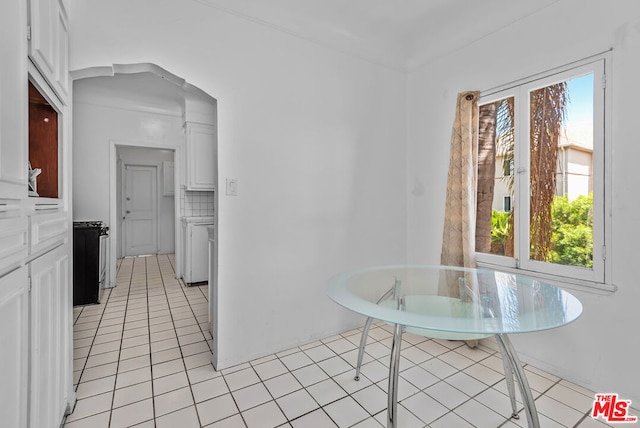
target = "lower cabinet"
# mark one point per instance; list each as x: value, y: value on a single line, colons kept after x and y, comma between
x: 36, y: 360
x: 50, y: 338
x: 195, y: 250
x: 14, y: 337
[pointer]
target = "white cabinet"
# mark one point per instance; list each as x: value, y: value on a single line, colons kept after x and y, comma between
x: 13, y: 100
x: 14, y: 334
x: 36, y: 337
x: 196, y: 248
x: 201, y: 168
x: 13, y: 235
x: 36, y: 377
x: 49, y: 43
x: 46, y: 230
x: 50, y: 338
x: 61, y: 81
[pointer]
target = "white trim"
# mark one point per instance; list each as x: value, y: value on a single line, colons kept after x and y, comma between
x: 45, y: 89
x: 39, y: 82
x: 168, y: 180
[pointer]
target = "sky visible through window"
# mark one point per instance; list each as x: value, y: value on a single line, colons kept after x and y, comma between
x: 579, y: 120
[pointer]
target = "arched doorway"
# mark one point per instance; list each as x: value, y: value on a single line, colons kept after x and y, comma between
x: 138, y: 115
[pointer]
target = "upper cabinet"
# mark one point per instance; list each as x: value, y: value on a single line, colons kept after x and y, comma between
x: 13, y: 100
x: 62, y: 69
x: 201, y: 156
x: 49, y: 43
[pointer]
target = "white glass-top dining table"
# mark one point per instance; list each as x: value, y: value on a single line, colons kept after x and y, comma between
x: 454, y: 303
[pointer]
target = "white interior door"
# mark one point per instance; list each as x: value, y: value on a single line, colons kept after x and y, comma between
x: 140, y: 210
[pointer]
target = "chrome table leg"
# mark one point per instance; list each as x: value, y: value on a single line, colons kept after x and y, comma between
x: 508, y: 377
x: 367, y: 325
x: 518, y: 371
x: 394, y: 366
x: 363, y: 343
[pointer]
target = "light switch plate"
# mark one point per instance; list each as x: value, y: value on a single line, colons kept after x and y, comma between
x: 232, y: 187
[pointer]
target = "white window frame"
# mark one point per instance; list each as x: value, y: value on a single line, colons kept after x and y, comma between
x: 599, y: 275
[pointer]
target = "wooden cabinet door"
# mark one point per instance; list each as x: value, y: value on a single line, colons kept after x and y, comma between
x: 14, y: 337
x: 13, y: 100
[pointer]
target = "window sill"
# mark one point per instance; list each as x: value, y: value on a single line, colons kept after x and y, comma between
x: 561, y: 281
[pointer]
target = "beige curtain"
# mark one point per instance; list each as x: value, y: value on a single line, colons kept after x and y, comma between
x: 458, y: 239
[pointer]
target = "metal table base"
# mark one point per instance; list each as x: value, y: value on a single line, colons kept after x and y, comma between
x: 510, y: 361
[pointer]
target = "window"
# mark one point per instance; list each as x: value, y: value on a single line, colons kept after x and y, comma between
x: 507, y: 167
x: 542, y: 145
x: 506, y: 203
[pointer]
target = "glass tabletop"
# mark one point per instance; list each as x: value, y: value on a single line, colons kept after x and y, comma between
x: 454, y: 300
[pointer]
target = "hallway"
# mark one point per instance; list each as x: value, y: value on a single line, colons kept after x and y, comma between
x: 142, y: 358
x: 148, y: 337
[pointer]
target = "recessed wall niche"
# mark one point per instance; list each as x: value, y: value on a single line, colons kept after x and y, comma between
x: 43, y: 146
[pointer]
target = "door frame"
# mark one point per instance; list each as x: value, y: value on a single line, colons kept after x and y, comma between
x: 178, y: 153
x: 123, y: 186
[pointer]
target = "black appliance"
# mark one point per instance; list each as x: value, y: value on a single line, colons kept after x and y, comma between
x: 89, y: 260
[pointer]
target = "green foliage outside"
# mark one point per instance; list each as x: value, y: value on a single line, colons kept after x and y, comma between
x: 500, y: 231
x: 572, y: 238
x: 572, y: 234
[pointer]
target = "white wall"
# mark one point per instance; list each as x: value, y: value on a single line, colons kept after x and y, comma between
x: 601, y: 349
x: 315, y: 138
x: 96, y: 123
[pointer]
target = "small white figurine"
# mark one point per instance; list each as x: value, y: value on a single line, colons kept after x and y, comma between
x: 33, y: 173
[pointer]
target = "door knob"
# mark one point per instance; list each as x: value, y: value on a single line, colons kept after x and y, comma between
x: 128, y: 212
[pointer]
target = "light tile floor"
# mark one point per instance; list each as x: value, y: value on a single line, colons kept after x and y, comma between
x: 142, y: 358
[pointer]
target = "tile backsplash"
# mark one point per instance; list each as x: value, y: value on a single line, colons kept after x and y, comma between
x: 196, y: 204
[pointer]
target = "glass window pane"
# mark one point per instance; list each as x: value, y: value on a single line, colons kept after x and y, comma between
x: 561, y: 173
x: 496, y: 139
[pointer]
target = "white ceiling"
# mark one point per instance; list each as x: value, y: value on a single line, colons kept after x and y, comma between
x: 397, y: 33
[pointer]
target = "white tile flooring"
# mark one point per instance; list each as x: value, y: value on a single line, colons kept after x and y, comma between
x: 142, y: 358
